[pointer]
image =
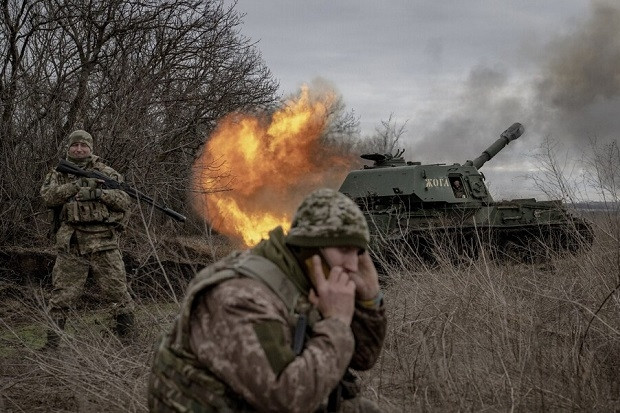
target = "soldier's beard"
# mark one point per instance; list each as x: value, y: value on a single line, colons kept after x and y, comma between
x: 80, y: 161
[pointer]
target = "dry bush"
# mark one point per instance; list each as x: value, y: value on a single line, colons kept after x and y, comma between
x: 503, y: 337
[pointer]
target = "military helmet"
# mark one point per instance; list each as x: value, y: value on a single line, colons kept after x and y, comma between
x: 328, y: 218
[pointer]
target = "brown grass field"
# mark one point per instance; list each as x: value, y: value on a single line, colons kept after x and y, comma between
x: 482, y: 336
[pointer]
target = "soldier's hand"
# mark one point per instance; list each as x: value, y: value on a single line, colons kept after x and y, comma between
x: 366, y: 278
x: 88, y: 194
x: 335, y: 295
x: 84, y: 182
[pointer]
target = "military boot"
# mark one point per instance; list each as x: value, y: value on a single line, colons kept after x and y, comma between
x: 53, y: 334
x: 124, y: 324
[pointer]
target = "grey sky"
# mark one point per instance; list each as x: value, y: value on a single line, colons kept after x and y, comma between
x: 459, y: 72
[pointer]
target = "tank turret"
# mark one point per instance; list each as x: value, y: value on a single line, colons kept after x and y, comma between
x: 509, y: 135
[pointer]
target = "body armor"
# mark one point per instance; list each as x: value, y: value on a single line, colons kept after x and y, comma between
x: 178, y: 382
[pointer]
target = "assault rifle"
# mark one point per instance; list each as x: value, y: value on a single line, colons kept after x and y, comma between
x: 67, y: 167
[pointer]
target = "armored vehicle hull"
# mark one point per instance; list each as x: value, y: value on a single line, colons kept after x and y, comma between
x: 434, y: 210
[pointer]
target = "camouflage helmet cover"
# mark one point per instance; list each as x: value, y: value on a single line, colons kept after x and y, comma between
x: 81, y: 136
x: 328, y: 218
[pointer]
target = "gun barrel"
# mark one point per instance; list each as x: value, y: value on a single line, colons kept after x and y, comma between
x: 513, y: 132
x: 174, y: 214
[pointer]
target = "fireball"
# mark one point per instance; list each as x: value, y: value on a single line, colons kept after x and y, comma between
x: 255, y: 170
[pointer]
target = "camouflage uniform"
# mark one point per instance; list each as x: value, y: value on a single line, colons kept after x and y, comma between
x: 87, y: 237
x: 232, y: 347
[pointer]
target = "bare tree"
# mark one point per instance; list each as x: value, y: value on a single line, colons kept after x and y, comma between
x: 385, y: 139
x: 148, y: 78
x: 343, y: 126
x: 557, y: 176
x: 603, y: 171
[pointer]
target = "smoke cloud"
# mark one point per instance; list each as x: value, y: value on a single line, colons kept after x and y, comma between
x: 572, y: 95
x: 580, y: 86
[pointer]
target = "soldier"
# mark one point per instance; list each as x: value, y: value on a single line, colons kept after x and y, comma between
x: 457, y: 188
x: 89, y: 219
x: 279, y: 327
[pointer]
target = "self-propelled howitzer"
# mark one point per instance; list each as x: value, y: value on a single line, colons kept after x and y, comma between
x: 436, y: 210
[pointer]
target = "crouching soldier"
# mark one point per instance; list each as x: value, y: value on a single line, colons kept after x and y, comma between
x: 282, y: 326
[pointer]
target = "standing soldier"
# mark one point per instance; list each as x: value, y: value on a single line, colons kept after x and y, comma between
x: 278, y: 328
x: 88, y: 220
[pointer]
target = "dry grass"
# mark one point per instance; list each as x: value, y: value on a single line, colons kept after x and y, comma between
x: 485, y: 336
x: 481, y: 336
x: 91, y: 371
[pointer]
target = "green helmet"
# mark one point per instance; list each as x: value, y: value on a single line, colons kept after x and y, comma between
x: 328, y: 218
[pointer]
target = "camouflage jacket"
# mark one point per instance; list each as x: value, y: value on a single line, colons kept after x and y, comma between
x: 224, y: 338
x: 241, y: 333
x: 94, y: 225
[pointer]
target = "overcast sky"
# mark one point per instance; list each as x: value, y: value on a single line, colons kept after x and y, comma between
x: 458, y: 72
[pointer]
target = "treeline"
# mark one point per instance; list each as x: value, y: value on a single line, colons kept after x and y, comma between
x: 596, y: 206
x: 148, y: 79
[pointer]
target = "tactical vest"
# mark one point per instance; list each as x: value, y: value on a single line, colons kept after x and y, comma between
x: 85, y: 212
x: 178, y: 382
x: 88, y: 212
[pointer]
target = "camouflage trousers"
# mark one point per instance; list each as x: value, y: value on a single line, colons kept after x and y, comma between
x: 71, y: 271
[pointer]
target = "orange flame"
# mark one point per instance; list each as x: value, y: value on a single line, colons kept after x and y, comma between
x: 255, y: 170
